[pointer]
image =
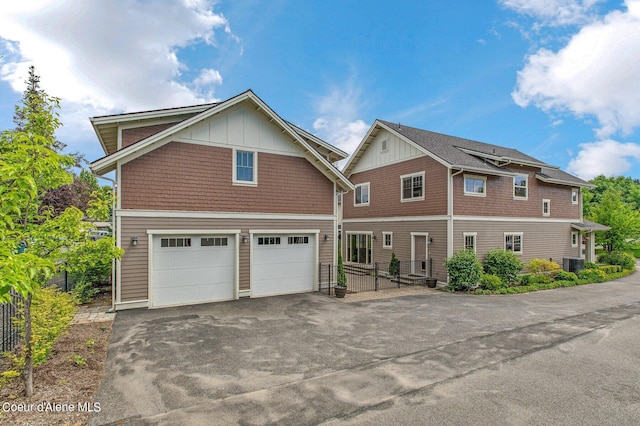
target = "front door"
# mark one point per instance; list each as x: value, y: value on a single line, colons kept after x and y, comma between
x: 419, y: 253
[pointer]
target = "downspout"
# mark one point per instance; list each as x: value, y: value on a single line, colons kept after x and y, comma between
x: 114, y: 186
x: 450, y: 214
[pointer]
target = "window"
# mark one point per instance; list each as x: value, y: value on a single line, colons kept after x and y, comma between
x: 546, y: 207
x: 268, y: 241
x: 412, y: 187
x: 359, y: 248
x: 520, y: 187
x: 513, y: 242
x: 214, y: 242
x: 361, y: 194
x: 470, y: 240
x: 175, y: 242
x: 574, y: 195
x: 298, y: 240
x: 387, y: 239
x: 574, y: 239
x: 385, y: 146
x: 475, y: 185
x: 245, y: 168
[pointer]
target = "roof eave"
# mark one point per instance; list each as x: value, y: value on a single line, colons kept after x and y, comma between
x: 564, y: 182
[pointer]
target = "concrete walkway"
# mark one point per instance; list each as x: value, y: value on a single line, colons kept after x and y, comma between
x: 89, y: 314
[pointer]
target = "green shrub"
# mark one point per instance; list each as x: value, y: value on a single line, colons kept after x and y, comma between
x: 626, y: 260
x: 394, y: 265
x: 85, y: 291
x: 490, y: 282
x: 542, y: 267
x: 524, y: 279
x: 502, y: 263
x: 540, y: 279
x: 464, y: 270
x: 611, y: 269
x: 566, y: 276
x: 593, y: 275
x: 590, y: 265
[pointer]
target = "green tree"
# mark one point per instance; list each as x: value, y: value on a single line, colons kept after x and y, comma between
x: 32, y: 238
x: 621, y: 217
x: 628, y: 188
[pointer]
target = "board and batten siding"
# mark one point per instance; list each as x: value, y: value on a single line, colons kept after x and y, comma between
x: 401, y: 243
x: 543, y: 240
x: 135, y: 262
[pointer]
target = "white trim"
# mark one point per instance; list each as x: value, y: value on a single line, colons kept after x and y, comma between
x: 390, y: 163
x: 235, y: 180
x: 368, y: 185
x: 219, y: 215
x: 575, y: 234
x: 135, y: 304
x: 284, y: 231
x: 526, y: 186
x: 384, y: 242
x: 504, y: 241
x: 548, y: 203
x: 238, y: 147
x: 193, y: 231
x: 119, y: 261
x: 244, y: 293
x: 577, y: 192
x: 475, y: 240
x: 474, y: 177
x: 461, y: 218
x: 413, y: 250
x: 369, y: 233
x: 412, y: 175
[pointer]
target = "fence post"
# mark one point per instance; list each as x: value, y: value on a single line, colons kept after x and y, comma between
x: 431, y: 266
x: 329, y: 289
x: 375, y: 272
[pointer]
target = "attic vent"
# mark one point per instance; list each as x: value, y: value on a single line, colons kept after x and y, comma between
x: 385, y: 145
x: 494, y: 150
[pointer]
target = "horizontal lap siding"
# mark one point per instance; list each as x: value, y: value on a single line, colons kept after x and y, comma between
x: 539, y: 240
x: 190, y: 177
x: 402, y: 240
x: 135, y: 265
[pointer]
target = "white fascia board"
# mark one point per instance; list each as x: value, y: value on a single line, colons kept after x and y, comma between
x: 145, y: 115
x: 484, y: 171
x: 346, y: 170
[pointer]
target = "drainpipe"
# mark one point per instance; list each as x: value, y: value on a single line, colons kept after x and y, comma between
x: 114, y: 186
x: 450, y: 214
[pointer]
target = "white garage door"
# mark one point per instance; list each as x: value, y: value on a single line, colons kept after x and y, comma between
x: 282, y: 264
x: 192, y: 269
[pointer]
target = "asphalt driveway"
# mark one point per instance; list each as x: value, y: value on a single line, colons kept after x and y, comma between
x: 568, y: 356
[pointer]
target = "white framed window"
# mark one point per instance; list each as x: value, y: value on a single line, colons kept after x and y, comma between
x: 575, y: 195
x: 574, y: 239
x: 387, y: 239
x: 412, y: 187
x: 214, y: 242
x: 298, y: 240
x: 175, y: 242
x: 359, y: 248
x: 469, y: 240
x: 546, y: 207
x: 513, y: 242
x: 384, y: 146
x: 361, y: 194
x: 268, y: 241
x: 520, y: 187
x: 245, y: 167
x: 475, y: 185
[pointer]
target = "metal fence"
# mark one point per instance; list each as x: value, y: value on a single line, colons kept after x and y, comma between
x: 376, y: 276
x: 8, y: 321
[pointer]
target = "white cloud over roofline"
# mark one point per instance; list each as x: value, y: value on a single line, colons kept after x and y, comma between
x: 553, y: 12
x: 605, y: 157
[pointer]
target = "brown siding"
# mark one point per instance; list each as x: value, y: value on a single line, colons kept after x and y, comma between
x: 385, y: 190
x: 539, y: 240
x: 402, y: 240
x: 499, y: 200
x: 135, y: 262
x: 189, y: 177
x: 131, y: 136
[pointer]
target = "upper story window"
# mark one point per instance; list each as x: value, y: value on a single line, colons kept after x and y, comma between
x: 412, y: 187
x: 546, y: 207
x: 574, y: 195
x: 520, y: 187
x: 245, y: 167
x: 475, y: 185
x: 361, y: 194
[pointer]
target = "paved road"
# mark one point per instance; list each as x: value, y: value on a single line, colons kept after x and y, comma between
x: 565, y: 356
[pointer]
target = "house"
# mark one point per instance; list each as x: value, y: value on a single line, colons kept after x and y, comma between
x: 217, y: 202
x: 425, y: 195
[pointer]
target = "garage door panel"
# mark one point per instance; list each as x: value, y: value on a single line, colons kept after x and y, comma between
x: 194, y: 273
x: 282, y: 268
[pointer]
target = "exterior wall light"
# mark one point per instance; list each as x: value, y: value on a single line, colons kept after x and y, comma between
x: 134, y: 241
x: 245, y: 239
x: 326, y: 237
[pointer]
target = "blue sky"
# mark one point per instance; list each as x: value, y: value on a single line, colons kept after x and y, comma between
x: 556, y: 79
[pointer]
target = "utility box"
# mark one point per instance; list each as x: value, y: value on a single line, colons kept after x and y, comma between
x: 572, y: 264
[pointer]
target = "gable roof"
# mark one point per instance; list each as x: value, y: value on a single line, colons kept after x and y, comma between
x: 463, y: 154
x: 105, y: 127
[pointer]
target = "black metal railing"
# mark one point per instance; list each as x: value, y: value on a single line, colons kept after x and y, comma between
x: 9, y: 312
x: 376, y: 276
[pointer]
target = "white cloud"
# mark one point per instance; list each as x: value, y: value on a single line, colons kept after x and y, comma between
x: 595, y: 74
x: 101, y: 57
x: 338, y: 119
x: 553, y: 12
x: 606, y: 157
